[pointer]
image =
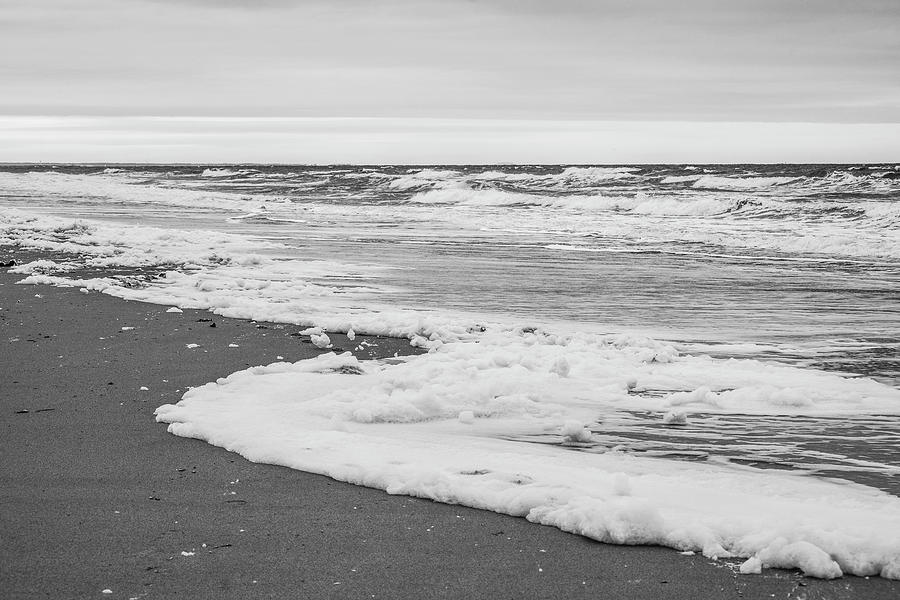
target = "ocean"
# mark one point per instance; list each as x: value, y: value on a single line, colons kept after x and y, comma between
x: 705, y: 357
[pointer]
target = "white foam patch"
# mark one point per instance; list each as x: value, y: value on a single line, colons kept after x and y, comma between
x: 438, y: 426
x: 42, y: 266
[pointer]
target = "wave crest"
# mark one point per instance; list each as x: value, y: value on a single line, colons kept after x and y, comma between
x: 639, y: 204
x: 717, y: 182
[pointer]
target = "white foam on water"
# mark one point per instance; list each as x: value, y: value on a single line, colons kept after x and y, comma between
x: 42, y: 266
x: 124, y: 189
x: 224, y: 273
x: 438, y: 426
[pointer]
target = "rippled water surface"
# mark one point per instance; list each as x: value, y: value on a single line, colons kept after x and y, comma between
x: 804, y: 259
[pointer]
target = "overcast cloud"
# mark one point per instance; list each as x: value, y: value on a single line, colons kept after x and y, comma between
x: 764, y: 61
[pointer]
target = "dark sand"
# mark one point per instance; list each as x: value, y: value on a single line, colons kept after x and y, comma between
x: 94, y: 494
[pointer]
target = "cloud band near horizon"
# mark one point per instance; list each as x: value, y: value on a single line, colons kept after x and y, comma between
x: 436, y: 141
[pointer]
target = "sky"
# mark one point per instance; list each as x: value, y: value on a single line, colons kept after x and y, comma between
x: 450, y: 80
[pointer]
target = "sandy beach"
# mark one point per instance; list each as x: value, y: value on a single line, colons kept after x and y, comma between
x: 98, y: 500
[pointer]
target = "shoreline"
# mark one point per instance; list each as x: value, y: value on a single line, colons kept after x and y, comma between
x: 97, y: 495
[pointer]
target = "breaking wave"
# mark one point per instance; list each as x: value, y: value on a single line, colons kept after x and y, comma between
x: 639, y: 204
x: 716, y: 182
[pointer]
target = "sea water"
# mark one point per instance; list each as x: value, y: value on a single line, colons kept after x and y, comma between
x: 638, y: 327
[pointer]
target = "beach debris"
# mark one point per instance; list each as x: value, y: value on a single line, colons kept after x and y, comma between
x: 186, y: 553
x: 174, y: 309
x: 233, y: 346
x: 84, y: 290
x: 192, y: 346
x: 106, y: 591
x: 144, y: 388
x: 127, y: 328
x: 279, y: 357
x: 351, y: 335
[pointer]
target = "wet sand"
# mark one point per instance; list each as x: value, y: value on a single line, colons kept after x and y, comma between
x: 95, y: 495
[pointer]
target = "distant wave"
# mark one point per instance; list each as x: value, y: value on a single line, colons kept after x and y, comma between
x: 569, y: 177
x: 717, y: 182
x: 422, y: 178
x: 112, y: 190
x: 263, y: 217
x: 483, y: 197
x: 640, y: 204
x: 575, y: 180
x: 680, y: 178
x: 884, y: 214
x: 597, y: 174
x: 213, y: 172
